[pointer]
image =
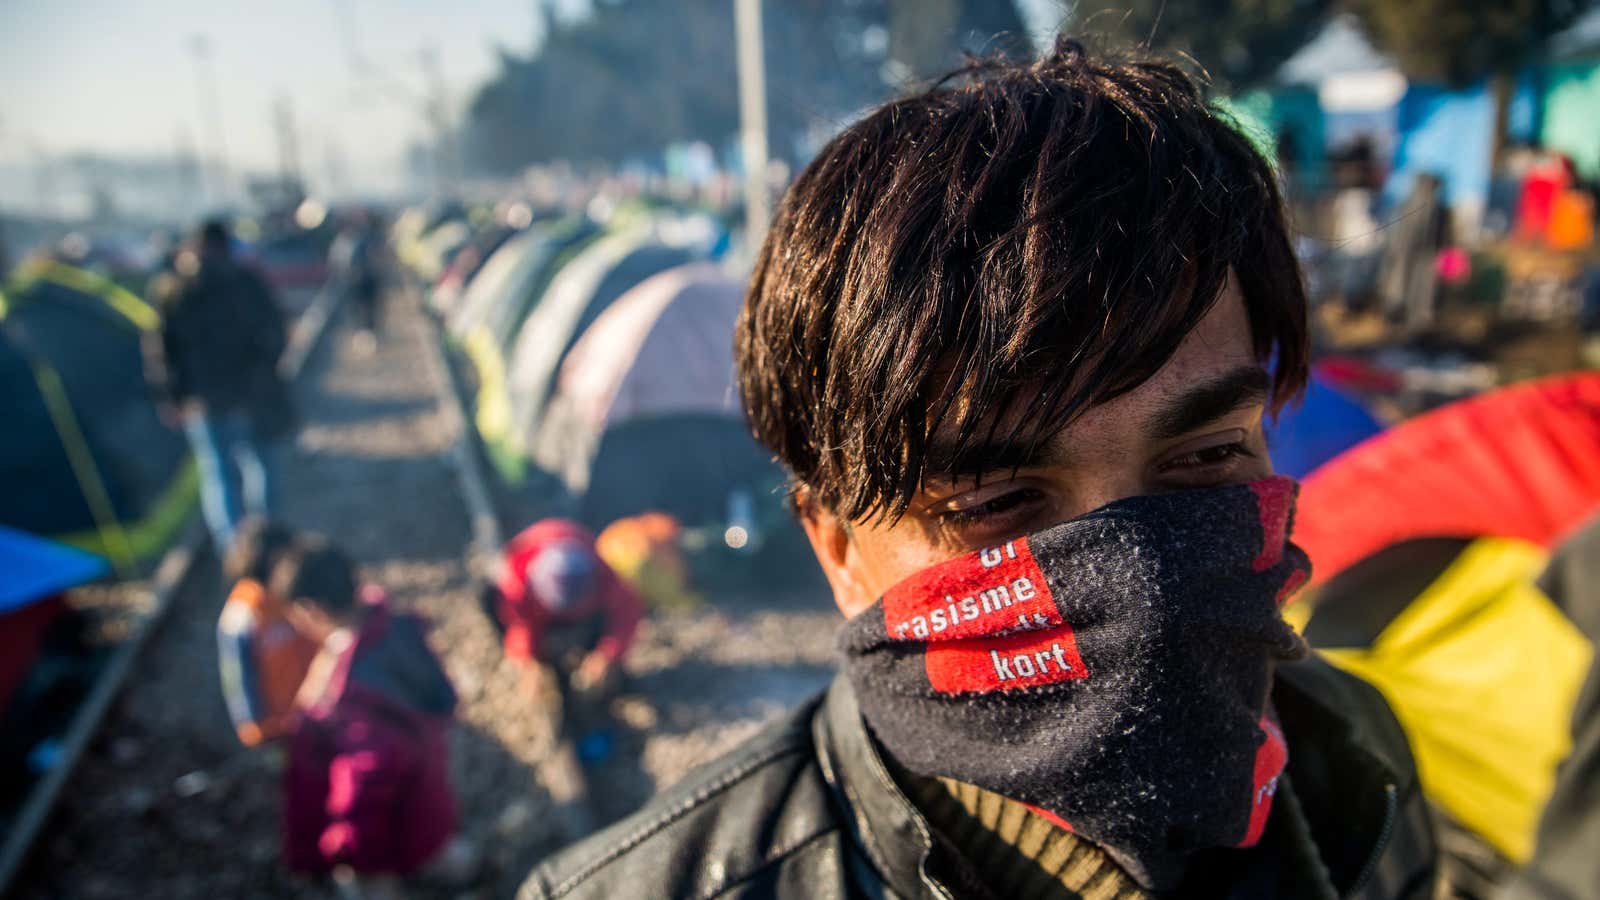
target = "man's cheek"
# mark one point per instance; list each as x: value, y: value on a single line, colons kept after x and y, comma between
x: 890, y: 556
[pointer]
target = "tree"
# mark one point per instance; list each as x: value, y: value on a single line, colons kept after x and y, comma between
x: 1461, y: 41
x: 635, y: 76
x: 1239, y: 43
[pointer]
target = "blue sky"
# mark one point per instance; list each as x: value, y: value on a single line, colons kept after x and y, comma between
x: 119, y: 77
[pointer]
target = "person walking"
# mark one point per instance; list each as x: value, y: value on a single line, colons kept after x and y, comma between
x: 357, y: 258
x: 213, y: 365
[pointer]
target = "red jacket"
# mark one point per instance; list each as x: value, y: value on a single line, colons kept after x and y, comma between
x: 527, y: 620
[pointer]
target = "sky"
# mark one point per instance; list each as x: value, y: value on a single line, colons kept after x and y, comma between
x: 121, y: 78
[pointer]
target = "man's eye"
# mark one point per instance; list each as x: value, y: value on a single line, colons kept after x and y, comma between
x: 1003, y: 507
x: 1208, y: 456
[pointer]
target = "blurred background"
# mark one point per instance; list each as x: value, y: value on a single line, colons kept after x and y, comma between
x: 508, y: 239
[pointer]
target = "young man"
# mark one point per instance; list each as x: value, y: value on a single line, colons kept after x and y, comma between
x: 1014, y: 338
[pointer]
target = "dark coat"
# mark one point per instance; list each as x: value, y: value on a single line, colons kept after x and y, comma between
x: 221, y: 337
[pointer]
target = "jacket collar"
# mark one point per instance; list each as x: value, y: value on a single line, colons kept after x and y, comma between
x: 883, y: 821
x: 1338, y: 776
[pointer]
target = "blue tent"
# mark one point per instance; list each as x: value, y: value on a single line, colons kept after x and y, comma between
x: 32, y: 568
x: 1324, y: 424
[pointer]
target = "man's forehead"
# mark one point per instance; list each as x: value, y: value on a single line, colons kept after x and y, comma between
x: 1213, y: 369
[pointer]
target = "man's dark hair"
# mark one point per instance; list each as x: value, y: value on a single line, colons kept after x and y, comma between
x: 1017, y: 243
x: 257, y: 545
x: 314, y: 569
x: 215, y: 236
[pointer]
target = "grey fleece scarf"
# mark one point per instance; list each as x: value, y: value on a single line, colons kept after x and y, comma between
x: 1111, y: 671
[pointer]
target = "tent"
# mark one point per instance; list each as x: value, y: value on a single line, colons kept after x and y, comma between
x: 1325, y: 423
x: 1448, y: 132
x: 1572, y: 94
x: 465, y: 263
x: 45, y: 666
x: 1431, y: 547
x: 644, y: 415
x: 578, y: 293
x: 663, y: 350
x: 700, y: 468
x: 509, y: 282
x: 495, y: 304
x: 36, y: 572
x: 88, y: 461
x: 427, y: 251
x: 1521, y: 462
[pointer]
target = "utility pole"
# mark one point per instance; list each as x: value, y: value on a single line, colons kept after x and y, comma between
x: 190, y: 178
x: 44, y: 171
x: 436, y: 110
x: 752, y: 117
x: 211, y: 115
x: 288, y: 141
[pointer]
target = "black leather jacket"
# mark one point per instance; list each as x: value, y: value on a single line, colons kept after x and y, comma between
x: 807, y: 809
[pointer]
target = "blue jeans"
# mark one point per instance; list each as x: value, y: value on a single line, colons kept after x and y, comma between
x: 235, y: 476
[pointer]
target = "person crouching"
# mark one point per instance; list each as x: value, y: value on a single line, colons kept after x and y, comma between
x: 367, y: 793
x: 565, y: 613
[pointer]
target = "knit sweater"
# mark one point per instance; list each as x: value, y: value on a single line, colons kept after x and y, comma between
x: 1021, y: 854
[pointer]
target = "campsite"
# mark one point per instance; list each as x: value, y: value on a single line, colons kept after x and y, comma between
x: 524, y: 324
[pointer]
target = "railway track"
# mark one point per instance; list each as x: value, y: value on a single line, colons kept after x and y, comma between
x: 163, y: 801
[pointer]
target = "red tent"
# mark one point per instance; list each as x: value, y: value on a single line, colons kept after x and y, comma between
x: 1522, y: 461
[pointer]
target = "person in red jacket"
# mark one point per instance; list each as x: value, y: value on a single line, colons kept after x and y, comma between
x: 563, y: 609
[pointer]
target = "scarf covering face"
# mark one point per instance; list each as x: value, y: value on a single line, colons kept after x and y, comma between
x: 1111, y: 671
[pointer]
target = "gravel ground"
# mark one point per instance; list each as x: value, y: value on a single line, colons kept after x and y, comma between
x: 166, y: 803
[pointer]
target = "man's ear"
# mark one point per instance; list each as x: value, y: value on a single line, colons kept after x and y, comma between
x: 835, y: 549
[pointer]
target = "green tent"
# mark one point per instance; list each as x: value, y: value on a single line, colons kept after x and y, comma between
x: 88, y: 461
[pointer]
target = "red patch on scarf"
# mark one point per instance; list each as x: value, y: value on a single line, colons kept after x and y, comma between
x: 992, y: 591
x: 988, y: 620
x: 1008, y: 663
x: 1274, y: 497
x: 1050, y: 816
x: 1271, y: 759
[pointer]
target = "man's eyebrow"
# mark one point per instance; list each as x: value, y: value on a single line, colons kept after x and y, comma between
x: 1200, y: 404
x: 944, y: 461
x: 1206, y: 401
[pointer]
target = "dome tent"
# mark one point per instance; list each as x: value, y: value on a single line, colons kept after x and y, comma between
x: 588, y: 283
x: 644, y: 415
x: 1522, y: 461
x: 1433, y: 548
x: 90, y: 462
x: 506, y: 286
x: 493, y: 309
